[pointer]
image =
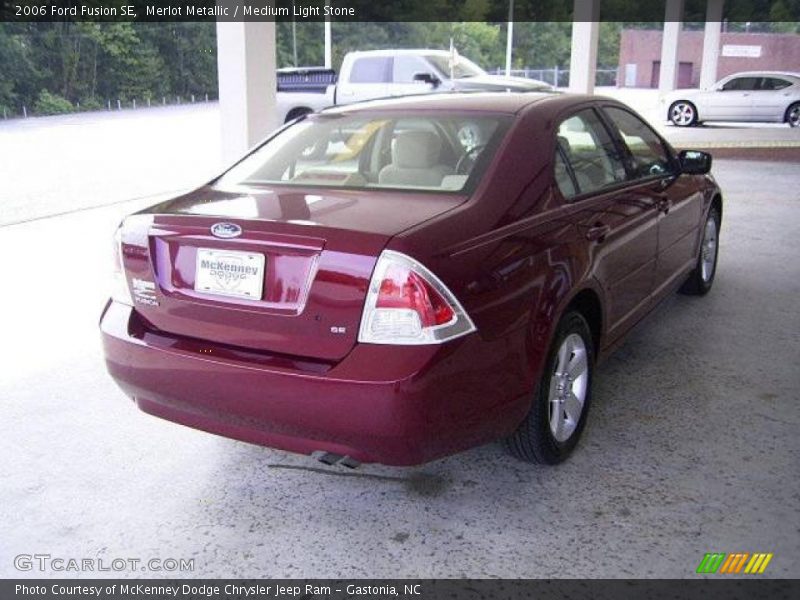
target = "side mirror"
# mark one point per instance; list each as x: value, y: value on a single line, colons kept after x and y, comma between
x: 694, y: 162
x: 428, y: 78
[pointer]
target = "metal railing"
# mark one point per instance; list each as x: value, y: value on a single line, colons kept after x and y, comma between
x: 24, y: 111
x: 559, y: 76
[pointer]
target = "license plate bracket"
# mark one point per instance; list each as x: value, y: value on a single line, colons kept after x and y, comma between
x: 230, y: 273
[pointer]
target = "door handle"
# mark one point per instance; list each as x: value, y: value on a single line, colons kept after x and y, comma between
x: 598, y: 232
x: 663, y: 205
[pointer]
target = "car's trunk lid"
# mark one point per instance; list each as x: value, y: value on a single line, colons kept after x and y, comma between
x: 292, y: 280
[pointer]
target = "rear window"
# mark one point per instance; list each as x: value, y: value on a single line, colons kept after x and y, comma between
x: 446, y: 153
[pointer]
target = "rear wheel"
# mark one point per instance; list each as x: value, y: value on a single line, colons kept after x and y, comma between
x: 561, y: 400
x: 793, y: 115
x: 702, y: 277
x: 296, y: 113
x: 683, y: 113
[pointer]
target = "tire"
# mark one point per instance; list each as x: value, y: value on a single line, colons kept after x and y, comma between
x: 537, y: 440
x: 793, y: 115
x: 683, y: 113
x: 296, y: 113
x: 702, y: 276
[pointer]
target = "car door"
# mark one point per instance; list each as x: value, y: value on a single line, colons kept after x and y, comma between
x: 678, y: 203
x: 617, y: 220
x: 730, y: 101
x: 368, y: 78
x: 771, y: 99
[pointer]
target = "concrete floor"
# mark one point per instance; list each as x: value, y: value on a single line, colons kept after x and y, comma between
x: 691, y: 447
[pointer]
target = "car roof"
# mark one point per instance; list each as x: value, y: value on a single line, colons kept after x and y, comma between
x: 489, y: 102
x: 548, y: 104
x: 765, y: 73
x: 403, y: 51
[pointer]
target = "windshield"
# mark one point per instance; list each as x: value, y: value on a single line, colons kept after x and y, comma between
x: 439, y: 152
x: 461, y: 67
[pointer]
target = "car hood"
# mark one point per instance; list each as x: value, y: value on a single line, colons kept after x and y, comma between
x: 383, y: 212
x: 500, y: 82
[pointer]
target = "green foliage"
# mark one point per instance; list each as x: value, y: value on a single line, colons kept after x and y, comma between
x: 91, y: 104
x: 52, y: 104
x: 105, y: 61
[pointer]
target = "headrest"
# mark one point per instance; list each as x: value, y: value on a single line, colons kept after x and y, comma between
x: 417, y: 150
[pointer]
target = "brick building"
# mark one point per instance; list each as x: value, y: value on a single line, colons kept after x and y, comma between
x: 640, y: 56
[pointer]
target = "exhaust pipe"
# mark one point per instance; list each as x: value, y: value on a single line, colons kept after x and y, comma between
x: 331, y: 459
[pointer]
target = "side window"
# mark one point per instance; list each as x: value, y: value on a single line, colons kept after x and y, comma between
x: 563, y: 178
x: 741, y: 84
x: 405, y: 67
x: 774, y: 83
x: 374, y: 69
x: 586, y: 144
x: 648, y: 154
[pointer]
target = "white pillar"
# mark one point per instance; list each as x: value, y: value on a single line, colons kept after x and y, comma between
x: 673, y: 17
x: 509, y: 37
x: 585, y: 32
x: 247, y: 84
x: 328, y: 41
x: 711, y: 42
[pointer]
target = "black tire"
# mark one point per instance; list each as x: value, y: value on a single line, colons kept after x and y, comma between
x: 793, y: 115
x: 533, y: 441
x: 296, y: 113
x: 689, y: 112
x: 696, y: 284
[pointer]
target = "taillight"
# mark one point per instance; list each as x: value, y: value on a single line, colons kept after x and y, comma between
x: 120, y: 292
x: 407, y: 304
x: 133, y: 231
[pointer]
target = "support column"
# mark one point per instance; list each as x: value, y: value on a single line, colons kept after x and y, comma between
x: 247, y: 85
x: 673, y: 18
x: 328, y: 41
x: 711, y: 43
x: 585, y: 33
x: 509, y: 37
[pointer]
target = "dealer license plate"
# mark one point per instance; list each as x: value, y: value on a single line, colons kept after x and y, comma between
x: 229, y: 273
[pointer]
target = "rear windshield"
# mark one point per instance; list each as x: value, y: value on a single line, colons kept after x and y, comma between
x: 443, y: 153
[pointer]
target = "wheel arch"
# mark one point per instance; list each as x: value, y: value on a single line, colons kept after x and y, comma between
x: 788, y: 109
x: 588, y: 303
x: 297, y: 111
x: 716, y: 202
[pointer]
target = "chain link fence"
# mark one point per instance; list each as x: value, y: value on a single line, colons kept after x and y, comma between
x: 559, y: 76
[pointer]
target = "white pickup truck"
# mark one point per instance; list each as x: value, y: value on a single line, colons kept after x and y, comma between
x: 385, y: 73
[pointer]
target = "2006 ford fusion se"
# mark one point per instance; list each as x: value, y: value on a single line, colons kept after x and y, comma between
x: 400, y: 280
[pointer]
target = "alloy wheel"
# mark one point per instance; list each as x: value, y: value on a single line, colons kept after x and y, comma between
x: 709, y: 250
x: 682, y: 114
x: 793, y: 118
x: 568, y: 387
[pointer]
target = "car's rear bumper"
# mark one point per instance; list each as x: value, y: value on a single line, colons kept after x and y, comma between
x: 389, y: 404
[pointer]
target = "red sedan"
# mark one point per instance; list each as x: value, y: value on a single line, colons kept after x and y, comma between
x: 400, y: 280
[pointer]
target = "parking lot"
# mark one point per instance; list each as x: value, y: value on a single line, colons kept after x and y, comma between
x: 692, y: 445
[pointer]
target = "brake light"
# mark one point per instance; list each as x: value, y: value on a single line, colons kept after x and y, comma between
x: 407, y: 304
x: 120, y: 292
x: 132, y: 231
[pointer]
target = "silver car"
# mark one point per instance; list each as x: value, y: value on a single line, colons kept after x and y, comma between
x: 763, y: 96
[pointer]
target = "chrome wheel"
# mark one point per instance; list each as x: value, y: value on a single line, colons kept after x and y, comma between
x: 682, y: 114
x: 793, y: 116
x: 708, y: 256
x: 568, y: 387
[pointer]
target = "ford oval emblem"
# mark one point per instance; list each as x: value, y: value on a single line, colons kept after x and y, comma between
x: 226, y: 230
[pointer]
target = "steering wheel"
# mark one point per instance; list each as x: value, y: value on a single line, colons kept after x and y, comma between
x: 467, y: 160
